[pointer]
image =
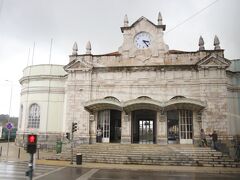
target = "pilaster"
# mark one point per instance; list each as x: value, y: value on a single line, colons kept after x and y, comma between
x: 126, y: 128
x: 161, y: 128
x: 92, y: 128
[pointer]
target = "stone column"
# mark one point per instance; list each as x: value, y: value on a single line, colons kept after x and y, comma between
x: 126, y: 128
x: 161, y: 128
x: 197, y: 125
x: 92, y: 128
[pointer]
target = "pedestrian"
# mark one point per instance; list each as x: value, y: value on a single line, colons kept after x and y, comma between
x: 203, y: 138
x: 214, y: 139
x: 99, y: 134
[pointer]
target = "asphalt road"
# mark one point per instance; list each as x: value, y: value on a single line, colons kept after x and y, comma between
x: 74, y: 173
x: 16, y: 171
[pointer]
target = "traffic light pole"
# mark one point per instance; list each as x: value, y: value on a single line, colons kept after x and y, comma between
x: 31, y: 149
x: 30, y: 165
x: 72, y: 149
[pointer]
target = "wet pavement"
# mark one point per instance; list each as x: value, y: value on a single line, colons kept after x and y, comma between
x: 74, y: 173
x: 15, y: 168
x: 143, y: 175
x: 16, y: 171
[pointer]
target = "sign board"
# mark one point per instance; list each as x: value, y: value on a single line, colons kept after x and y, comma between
x: 9, y: 126
x: 1, y: 131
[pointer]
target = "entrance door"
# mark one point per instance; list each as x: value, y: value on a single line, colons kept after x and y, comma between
x: 186, y: 126
x: 173, y: 127
x: 144, y: 126
x: 180, y: 126
x: 146, y: 131
x: 104, y: 124
x: 110, y: 123
x: 115, y: 126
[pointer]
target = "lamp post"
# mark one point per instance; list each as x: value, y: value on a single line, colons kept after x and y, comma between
x: 10, y: 104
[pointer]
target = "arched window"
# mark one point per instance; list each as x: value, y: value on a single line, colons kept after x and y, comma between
x: 34, y: 116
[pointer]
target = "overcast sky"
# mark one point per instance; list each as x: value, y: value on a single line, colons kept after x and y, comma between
x: 23, y: 22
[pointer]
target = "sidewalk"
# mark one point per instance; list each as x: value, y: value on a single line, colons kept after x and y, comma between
x: 19, y: 154
x: 14, y: 150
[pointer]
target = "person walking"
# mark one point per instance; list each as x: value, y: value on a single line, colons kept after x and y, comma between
x: 214, y: 139
x: 203, y: 138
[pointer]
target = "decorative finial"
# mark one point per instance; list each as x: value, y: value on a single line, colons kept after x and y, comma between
x: 201, y: 44
x: 88, y: 48
x: 159, y: 19
x: 216, y: 43
x: 75, y: 49
x: 125, y: 21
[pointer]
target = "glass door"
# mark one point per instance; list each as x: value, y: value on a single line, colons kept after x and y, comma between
x: 104, y: 124
x: 173, y: 127
x: 186, y: 126
x: 146, y: 131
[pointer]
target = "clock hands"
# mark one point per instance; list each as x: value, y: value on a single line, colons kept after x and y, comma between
x: 146, y: 42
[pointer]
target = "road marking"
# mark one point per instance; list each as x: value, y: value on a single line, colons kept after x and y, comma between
x: 49, y: 173
x: 88, y: 174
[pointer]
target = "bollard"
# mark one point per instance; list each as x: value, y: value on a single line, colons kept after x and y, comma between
x: 38, y: 153
x: 1, y: 151
x: 19, y: 153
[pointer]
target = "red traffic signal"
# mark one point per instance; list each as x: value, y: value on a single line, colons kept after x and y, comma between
x: 32, y: 139
x: 32, y: 143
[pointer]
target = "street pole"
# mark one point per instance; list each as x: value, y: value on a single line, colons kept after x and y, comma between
x: 30, y: 165
x: 9, y: 112
x: 72, y: 150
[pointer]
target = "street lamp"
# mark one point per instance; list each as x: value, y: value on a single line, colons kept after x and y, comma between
x: 9, y: 112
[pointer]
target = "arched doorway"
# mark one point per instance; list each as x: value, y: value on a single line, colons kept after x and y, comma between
x: 180, y: 126
x: 109, y: 121
x: 144, y: 126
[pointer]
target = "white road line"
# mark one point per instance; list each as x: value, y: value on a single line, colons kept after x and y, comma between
x: 88, y: 174
x: 49, y: 173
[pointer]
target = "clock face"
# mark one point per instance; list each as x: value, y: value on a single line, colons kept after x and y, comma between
x: 142, y: 40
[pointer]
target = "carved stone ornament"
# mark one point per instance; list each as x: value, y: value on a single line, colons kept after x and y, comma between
x: 216, y: 43
x: 75, y: 49
x: 126, y: 118
x: 88, y: 48
x: 201, y: 44
x: 162, y: 118
x: 125, y: 21
x: 91, y: 117
x: 159, y: 18
x: 199, y: 117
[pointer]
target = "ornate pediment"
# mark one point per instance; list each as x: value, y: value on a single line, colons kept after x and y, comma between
x: 143, y: 39
x: 143, y: 20
x: 78, y: 64
x: 213, y: 60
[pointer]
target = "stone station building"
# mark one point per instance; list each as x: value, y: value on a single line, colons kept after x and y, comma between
x: 142, y: 93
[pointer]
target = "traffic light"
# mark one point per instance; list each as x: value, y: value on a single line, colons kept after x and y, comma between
x: 74, y: 127
x: 32, y: 143
x: 68, y: 135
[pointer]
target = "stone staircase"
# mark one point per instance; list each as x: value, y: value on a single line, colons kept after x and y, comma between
x: 150, y: 154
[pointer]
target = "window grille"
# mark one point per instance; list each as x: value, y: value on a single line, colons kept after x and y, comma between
x: 34, y: 116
